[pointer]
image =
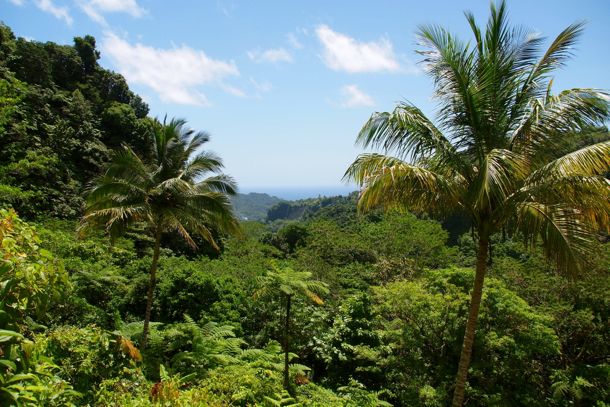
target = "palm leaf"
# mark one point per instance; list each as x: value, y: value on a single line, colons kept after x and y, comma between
x: 389, y: 182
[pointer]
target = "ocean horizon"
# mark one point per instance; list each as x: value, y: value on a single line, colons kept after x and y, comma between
x: 294, y: 193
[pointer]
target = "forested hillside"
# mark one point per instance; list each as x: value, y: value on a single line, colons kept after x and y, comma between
x: 127, y: 277
x: 254, y: 205
x: 60, y: 116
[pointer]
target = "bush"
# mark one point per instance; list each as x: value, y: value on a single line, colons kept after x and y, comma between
x: 88, y: 356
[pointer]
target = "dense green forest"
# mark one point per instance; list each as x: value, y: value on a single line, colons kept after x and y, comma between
x: 254, y: 205
x: 128, y: 278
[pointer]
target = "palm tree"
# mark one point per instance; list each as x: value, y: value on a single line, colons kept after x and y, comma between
x: 175, y: 192
x: 493, y: 154
x: 289, y: 283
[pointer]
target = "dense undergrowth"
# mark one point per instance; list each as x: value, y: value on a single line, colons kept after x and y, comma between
x: 389, y: 329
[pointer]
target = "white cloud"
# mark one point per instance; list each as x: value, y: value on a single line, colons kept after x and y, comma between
x: 273, y: 55
x: 226, y: 7
x: 62, y: 13
x: 176, y: 74
x: 233, y: 90
x: 354, y: 97
x: 261, y: 87
x: 17, y: 2
x: 294, y: 41
x: 96, y: 8
x: 343, y: 53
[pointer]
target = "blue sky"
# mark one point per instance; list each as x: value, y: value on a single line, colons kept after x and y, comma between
x: 284, y: 86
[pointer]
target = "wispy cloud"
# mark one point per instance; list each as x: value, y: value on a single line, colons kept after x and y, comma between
x: 344, y: 53
x: 273, y: 55
x: 226, y: 7
x: 262, y: 87
x: 96, y: 9
x: 294, y: 41
x: 354, y: 97
x: 233, y: 90
x: 59, y: 12
x: 17, y: 2
x: 175, y: 74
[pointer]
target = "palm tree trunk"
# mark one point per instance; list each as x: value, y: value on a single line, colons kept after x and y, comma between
x: 286, y: 343
x: 151, y: 287
x: 471, y: 324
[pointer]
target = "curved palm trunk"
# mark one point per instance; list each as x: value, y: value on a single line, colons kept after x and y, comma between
x: 151, y: 288
x: 286, y: 343
x: 471, y: 324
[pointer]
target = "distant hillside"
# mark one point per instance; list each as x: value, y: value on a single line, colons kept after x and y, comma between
x: 339, y: 208
x: 254, y: 206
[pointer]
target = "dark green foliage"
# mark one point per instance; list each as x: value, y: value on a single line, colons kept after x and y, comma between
x: 288, y: 238
x: 121, y: 125
x: 67, y: 66
x: 286, y: 210
x: 423, y: 325
x: 30, y: 279
x: 580, y: 309
x: 60, y: 113
x: 87, y: 356
x: 253, y: 206
x: 389, y: 330
x: 85, y: 47
x: 402, y: 341
x: 342, y: 346
x: 340, y: 208
x: 31, y: 63
x: 404, y: 238
x: 199, y: 289
x: 337, y: 246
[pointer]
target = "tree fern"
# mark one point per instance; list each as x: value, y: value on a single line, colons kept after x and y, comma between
x: 288, y: 283
x: 281, y: 400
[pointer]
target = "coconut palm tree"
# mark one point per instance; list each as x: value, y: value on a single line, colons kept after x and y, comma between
x: 180, y: 191
x: 289, y: 283
x: 493, y: 152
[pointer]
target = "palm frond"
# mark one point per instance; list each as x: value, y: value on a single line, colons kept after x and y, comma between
x: 291, y: 282
x: 589, y: 195
x: 167, y: 193
x: 125, y: 164
x: 553, y: 117
x: 219, y: 183
x: 502, y: 171
x: 392, y: 183
x: 565, y: 237
x: 196, y: 141
x: 200, y: 165
x: 560, y: 50
x: 494, y: 150
x: 588, y: 161
x: 406, y: 130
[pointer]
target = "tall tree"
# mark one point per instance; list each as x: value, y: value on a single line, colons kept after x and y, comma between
x: 493, y: 153
x: 290, y: 283
x: 175, y: 192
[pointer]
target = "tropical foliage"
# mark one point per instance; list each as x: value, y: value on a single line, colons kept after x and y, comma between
x: 170, y: 193
x: 290, y: 283
x: 237, y: 319
x: 494, y: 154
